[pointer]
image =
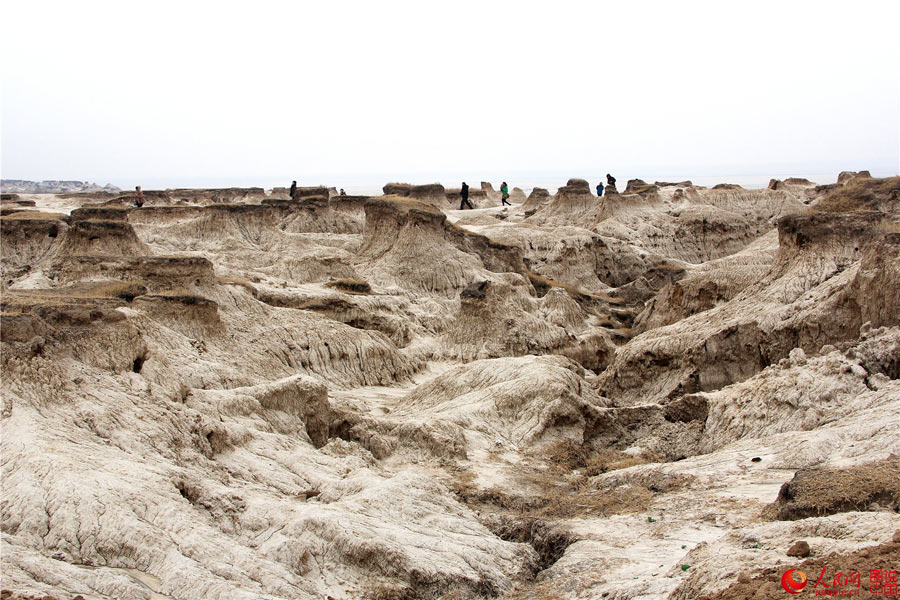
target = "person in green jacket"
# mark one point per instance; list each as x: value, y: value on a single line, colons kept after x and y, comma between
x: 504, y: 194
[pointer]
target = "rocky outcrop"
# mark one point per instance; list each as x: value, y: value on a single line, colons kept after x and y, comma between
x: 412, y: 246
x: 97, y: 237
x: 499, y: 318
x: 489, y: 192
x: 789, y: 183
x: 847, y: 176
x: 527, y: 401
x: 876, y: 287
x: 99, y: 213
x: 192, y: 274
x: 709, y: 284
x: 432, y: 193
x: 574, y: 256
x: 639, y: 186
x: 396, y: 189
x: 28, y: 241
x: 574, y: 187
x: 311, y: 192
x: 574, y: 198
x: 194, y: 316
x: 805, y: 300
x: 800, y: 392
x: 536, y: 198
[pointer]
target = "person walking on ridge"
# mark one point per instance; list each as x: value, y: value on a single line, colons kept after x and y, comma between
x: 504, y: 194
x: 139, y: 196
x: 600, y: 189
x: 293, y: 189
x: 464, y: 196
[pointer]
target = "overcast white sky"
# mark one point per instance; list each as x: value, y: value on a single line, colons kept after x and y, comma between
x: 125, y: 91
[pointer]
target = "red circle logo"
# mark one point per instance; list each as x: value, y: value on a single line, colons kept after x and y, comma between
x: 793, y: 581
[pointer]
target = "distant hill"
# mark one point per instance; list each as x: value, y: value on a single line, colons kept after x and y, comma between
x: 23, y: 186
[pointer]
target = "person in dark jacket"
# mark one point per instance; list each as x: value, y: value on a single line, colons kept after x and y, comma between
x: 464, y: 195
x: 504, y: 194
x: 293, y: 189
x: 610, y: 180
x: 599, y: 189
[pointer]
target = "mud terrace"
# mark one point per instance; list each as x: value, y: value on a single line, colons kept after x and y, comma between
x: 228, y: 394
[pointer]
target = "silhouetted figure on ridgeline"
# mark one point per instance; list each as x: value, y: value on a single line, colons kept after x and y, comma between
x: 464, y: 196
x: 611, y: 185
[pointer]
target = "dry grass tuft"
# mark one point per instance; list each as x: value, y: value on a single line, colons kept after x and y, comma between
x: 542, y: 285
x: 125, y: 290
x: 816, y: 491
x: 389, y: 592
x: 24, y: 301
x: 641, y: 189
x: 859, y: 194
x: 457, y: 227
x: 567, y: 456
x: 889, y: 227
x: 500, y: 245
x: 33, y: 215
x: 557, y: 494
x: 175, y: 293
x: 589, y: 502
x: 238, y: 281
x: 314, y: 304
x: 350, y: 286
x: 405, y: 203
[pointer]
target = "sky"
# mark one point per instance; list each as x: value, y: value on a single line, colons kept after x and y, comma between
x: 198, y: 92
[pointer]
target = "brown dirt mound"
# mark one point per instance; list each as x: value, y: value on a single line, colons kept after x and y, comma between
x: 817, y: 492
x: 767, y: 584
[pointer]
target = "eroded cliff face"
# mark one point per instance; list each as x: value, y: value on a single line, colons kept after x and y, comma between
x: 235, y: 394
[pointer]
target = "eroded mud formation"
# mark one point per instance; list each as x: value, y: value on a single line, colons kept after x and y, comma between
x: 653, y: 394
